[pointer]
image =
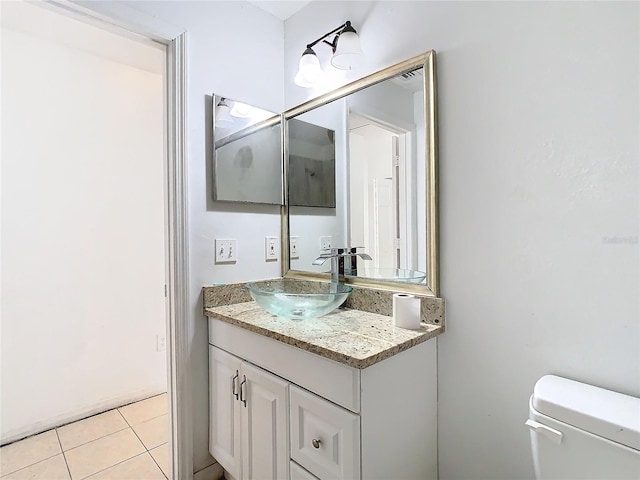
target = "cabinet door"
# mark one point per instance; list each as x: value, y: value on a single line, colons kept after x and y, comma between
x: 299, y: 473
x: 265, y: 429
x: 224, y: 409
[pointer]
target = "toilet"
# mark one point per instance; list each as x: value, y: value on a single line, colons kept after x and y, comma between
x: 579, y: 431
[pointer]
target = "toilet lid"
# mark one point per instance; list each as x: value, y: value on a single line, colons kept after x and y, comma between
x: 611, y: 415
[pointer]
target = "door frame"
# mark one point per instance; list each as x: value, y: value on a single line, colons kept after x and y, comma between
x: 406, y: 222
x: 133, y: 23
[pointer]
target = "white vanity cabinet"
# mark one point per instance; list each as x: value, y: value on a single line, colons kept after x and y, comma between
x: 248, y: 417
x: 311, y: 417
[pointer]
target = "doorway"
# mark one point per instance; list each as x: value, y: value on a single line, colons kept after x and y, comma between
x: 379, y: 186
x: 83, y: 215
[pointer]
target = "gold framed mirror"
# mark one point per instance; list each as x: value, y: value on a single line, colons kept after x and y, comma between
x: 378, y: 136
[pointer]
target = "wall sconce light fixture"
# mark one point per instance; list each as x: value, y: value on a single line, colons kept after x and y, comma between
x: 347, y: 55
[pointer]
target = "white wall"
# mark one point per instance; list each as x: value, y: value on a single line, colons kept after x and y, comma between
x: 82, y: 270
x: 538, y: 117
x: 235, y: 50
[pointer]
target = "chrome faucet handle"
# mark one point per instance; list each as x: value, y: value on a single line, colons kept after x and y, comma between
x: 350, y: 266
x: 364, y: 256
x: 341, y: 252
x: 320, y: 260
x: 353, y: 251
x: 324, y: 256
x: 333, y: 252
x: 340, y: 266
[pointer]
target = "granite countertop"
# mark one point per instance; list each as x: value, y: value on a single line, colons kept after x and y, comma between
x: 352, y: 337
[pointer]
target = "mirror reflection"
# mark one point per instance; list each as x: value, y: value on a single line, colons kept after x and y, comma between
x: 247, y: 156
x: 312, y: 165
x: 384, y: 163
x: 386, y: 192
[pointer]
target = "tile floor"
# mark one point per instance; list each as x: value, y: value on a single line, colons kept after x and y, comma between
x: 126, y: 443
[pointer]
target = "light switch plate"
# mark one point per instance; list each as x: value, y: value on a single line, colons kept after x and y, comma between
x: 326, y: 242
x: 226, y: 250
x: 270, y: 248
x: 293, y: 248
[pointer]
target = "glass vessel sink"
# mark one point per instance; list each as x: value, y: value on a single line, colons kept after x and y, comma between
x: 298, y: 300
x: 392, y: 274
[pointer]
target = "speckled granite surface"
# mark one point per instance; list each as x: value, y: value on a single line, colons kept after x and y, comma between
x: 229, y: 294
x: 364, y: 299
x: 381, y: 301
x: 353, y: 337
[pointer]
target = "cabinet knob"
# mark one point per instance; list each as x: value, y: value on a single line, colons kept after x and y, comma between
x: 315, y: 443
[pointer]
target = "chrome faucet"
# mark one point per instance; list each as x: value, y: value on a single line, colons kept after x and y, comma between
x: 344, y: 261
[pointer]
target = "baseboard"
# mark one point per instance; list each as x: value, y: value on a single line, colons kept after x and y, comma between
x: 79, y: 414
x: 212, y: 472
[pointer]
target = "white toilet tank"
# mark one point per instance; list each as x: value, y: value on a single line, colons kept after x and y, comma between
x: 579, y: 431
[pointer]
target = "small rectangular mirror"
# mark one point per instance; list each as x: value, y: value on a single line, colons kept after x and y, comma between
x: 247, y: 153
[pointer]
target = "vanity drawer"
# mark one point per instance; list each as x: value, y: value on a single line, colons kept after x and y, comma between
x: 325, y: 439
x: 299, y: 473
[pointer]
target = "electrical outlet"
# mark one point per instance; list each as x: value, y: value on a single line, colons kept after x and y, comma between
x: 326, y: 242
x: 270, y: 248
x: 226, y: 250
x: 293, y: 248
x: 161, y: 343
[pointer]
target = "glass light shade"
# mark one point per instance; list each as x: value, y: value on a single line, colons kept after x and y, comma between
x: 309, y: 71
x: 302, y: 82
x: 241, y: 110
x: 223, y: 117
x: 348, y: 54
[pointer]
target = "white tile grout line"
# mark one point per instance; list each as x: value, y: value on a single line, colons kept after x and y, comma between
x: 152, y: 458
x: 130, y: 458
x: 147, y: 420
x: 145, y: 447
x: 31, y: 465
x: 62, y: 451
x: 111, y: 433
x: 136, y: 433
x: 94, y: 473
x: 111, y: 466
x: 85, y: 418
x: 63, y: 455
x: 39, y: 461
x: 93, y: 440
